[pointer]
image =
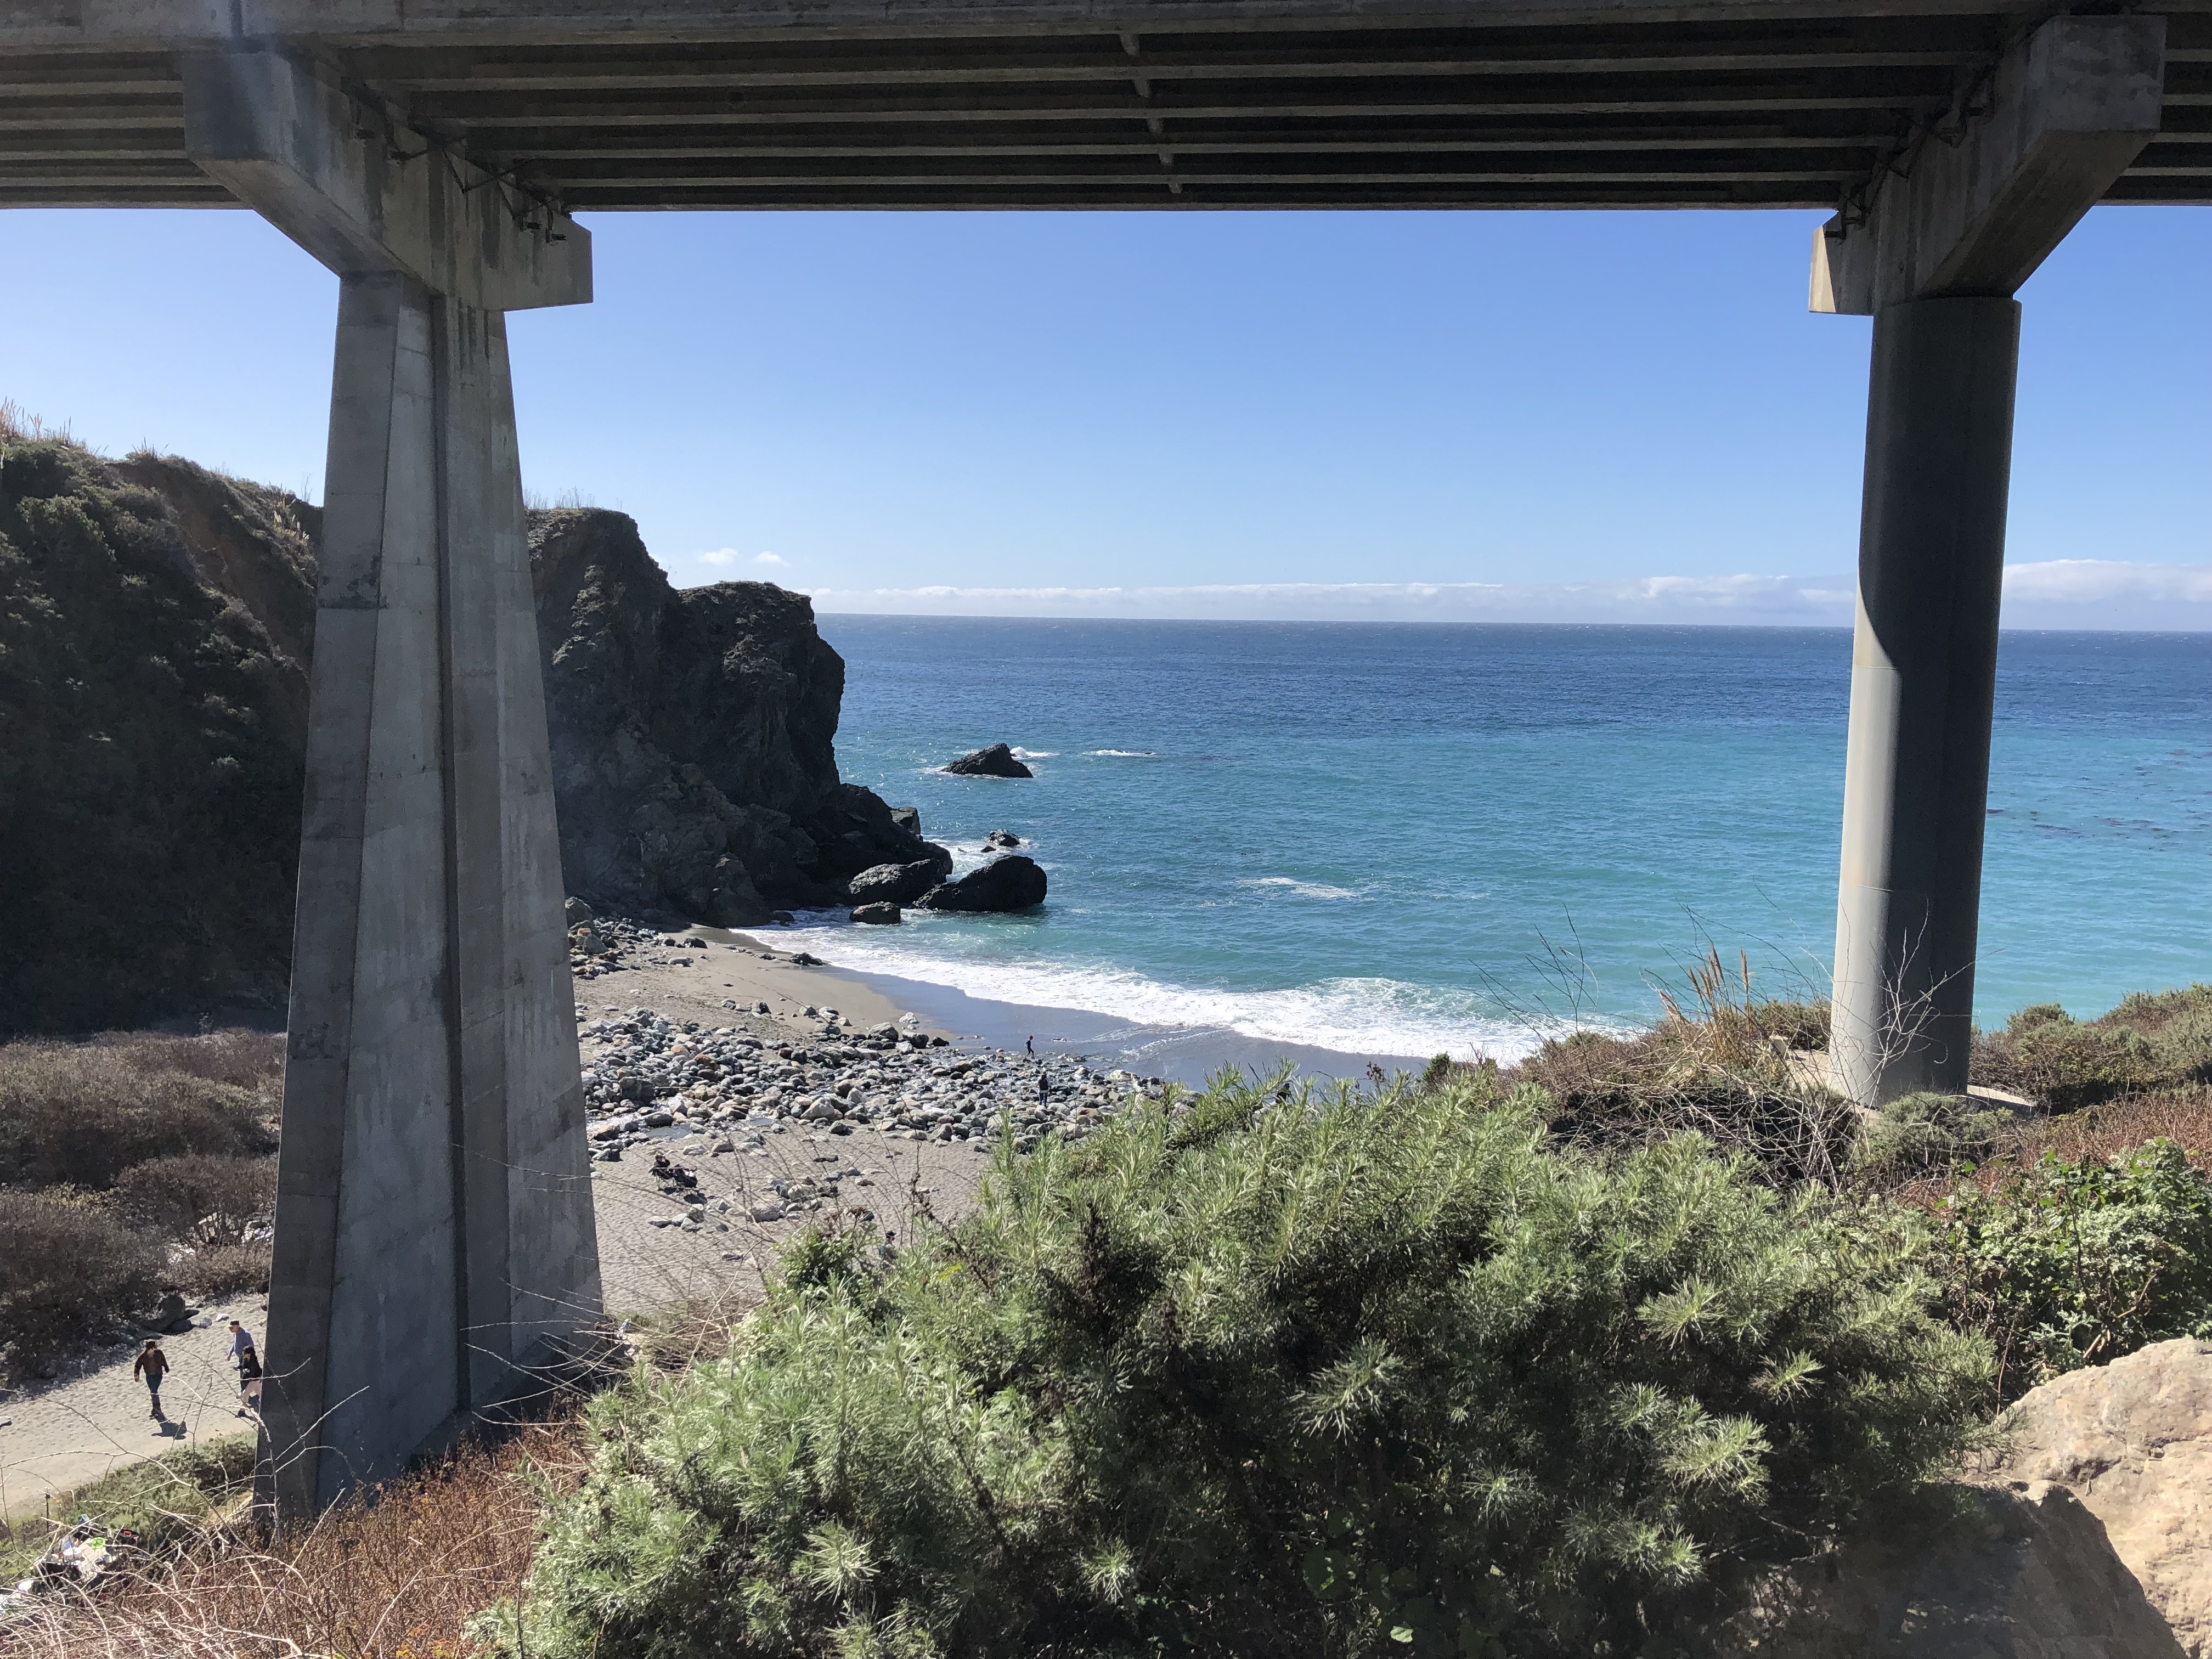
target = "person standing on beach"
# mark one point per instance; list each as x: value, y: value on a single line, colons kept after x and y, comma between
x: 249, y: 1368
x: 152, y: 1365
x: 1029, y: 1043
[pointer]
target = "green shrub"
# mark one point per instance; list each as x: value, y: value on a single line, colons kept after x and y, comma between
x: 1915, y: 1134
x: 83, y: 1113
x: 2153, y: 1040
x: 210, y: 1200
x: 1277, y: 1378
x: 67, y: 1272
x: 2068, y: 1264
x: 2063, y: 1065
x: 2183, y: 1045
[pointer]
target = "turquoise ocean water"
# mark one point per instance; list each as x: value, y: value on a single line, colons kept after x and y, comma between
x: 1395, y: 841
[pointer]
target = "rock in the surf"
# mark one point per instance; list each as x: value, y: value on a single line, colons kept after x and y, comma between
x: 881, y: 915
x: 996, y: 762
x: 1012, y: 883
x: 1002, y: 841
x: 897, y: 883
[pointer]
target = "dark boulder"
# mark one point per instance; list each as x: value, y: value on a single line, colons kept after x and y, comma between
x: 996, y: 762
x: 908, y: 819
x: 881, y: 915
x: 1002, y: 840
x: 1012, y: 883
x: 897, y: 883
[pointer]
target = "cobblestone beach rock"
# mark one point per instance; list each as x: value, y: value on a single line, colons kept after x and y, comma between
x: 649, y: 1078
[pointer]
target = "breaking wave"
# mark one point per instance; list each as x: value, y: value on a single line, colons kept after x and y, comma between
x: 1363, y: 1017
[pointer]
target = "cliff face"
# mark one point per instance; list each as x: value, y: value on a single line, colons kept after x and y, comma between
x: 693, y: 733
x: 155, y: 625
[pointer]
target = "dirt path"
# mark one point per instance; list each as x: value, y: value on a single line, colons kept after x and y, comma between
x: 94, y: 1423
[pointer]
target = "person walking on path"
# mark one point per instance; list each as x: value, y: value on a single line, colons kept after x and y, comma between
x: 152, y: 1365
x: 249, y: 1369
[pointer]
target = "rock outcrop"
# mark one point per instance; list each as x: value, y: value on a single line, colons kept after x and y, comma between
x: 2087, y: 1535
x: 692, y: 736
x: 1012, y: 883
x: 2133, y: 1441
x: 877, y: 915
x: 996, y: 762
x: 897, y: 883
x: 2009, y: 1575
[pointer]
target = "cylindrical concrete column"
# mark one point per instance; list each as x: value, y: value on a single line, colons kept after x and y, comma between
x: 1924, y: 681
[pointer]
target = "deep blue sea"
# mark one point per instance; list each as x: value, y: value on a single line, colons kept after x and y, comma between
x: 1399, y: 840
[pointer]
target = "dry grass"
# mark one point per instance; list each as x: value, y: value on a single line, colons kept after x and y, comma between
x: 395, y: 1574
x: 83, y: 1113
x: 202, y: 1199
x: 223, y: 1270
x: 1717, y: 1064
x: 67, y: 1273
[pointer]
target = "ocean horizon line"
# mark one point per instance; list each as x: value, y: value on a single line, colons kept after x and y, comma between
x: 2054, y: 595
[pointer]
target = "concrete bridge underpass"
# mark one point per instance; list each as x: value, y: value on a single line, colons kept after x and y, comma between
x: 435, y: 1232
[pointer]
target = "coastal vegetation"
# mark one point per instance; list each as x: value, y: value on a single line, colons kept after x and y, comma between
x: 1284, y: 1373
x: 1570, y: 1356
x: 130, y: 1165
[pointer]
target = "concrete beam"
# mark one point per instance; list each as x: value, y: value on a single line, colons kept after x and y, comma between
x: 368, y: 199
x: 2069, y: 108
x: 143, y: 23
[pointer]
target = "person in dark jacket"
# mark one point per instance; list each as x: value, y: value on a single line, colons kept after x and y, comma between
x: 153, y: 1365
x: 249, y: 1369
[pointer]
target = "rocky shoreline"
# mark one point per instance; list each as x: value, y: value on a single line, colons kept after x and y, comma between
x: 656, y: 1085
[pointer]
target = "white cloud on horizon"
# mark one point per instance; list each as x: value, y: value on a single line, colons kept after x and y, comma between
x: 2089, y: 593
x: 727, y: 556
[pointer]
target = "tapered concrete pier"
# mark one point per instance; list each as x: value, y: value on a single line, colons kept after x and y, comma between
x: 1924, y: 685
x: 434, y: 1230
x: 1936, y: 256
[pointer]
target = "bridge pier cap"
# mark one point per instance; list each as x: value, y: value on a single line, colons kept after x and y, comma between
x: 1934, y: 253
x: 368, y: 197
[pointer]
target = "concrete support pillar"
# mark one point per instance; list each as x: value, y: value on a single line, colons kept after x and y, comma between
x: 1933, y: 249
x: 1924, y: 686
x: 434, y: 1228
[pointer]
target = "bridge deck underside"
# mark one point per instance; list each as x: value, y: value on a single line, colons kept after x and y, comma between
x: 1780, y: 113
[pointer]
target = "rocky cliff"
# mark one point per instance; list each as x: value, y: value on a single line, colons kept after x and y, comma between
x: 155, y: 625
x: 693, y: 734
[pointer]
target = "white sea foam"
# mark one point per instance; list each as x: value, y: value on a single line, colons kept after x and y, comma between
x: 1123, y: 754
x: 1318, y: 890
x: 1035, y: 754
x: 1362, y: 1016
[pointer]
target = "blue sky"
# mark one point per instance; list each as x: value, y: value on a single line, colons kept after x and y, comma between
x: 1593, y: 415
